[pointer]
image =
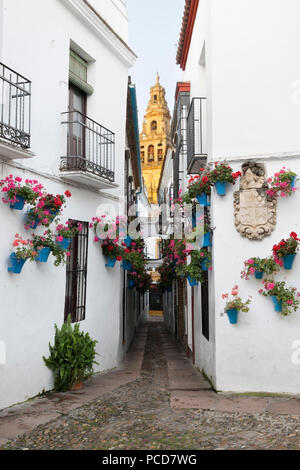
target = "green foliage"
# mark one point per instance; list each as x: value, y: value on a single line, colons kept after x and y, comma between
x: 267, y: 265
x: 288, y: 296
x: 71, y: 357
x: 48, y: 240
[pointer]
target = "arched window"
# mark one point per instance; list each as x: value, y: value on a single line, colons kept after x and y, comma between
x: 142, y: 157
x: 150, y: 153
x: 153, y: 126
x: 160, y: 155
x: 155, y: 98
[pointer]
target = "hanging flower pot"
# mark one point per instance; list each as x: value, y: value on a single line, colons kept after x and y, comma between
x: 233, y: 315
x: 110, y: 262
x: 202, y: 199
x: 43, y: 254
x: 293, y: 182
x: 131, y: 283
x: 277, y: 304
x: 258, y: 274
x: 221, y: 187
x: 65, y: 243
x: 126, y: 265
x: 32, y: 222
x: 204, y: 264
x: 288, y: 261
x: 207, y: 240
x: 128, y: 241
x: 192, y: 281
x: 19, y: 204
x: 17, y: 264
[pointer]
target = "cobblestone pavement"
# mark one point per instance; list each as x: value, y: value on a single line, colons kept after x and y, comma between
x: 159, y: 409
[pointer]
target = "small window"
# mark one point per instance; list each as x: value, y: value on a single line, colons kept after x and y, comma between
x: 151, y: 153
x: 75, y: 301
x: 160, y: 155
x: 153, y: 126
x: 142, y: 157
x: 155, y: 98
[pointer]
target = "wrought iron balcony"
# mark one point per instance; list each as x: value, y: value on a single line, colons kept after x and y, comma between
x: 15, y: 107
x: 90, y: 148
x: 196, y: 135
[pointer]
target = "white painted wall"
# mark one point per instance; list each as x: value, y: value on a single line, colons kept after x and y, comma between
x: 34, y: 300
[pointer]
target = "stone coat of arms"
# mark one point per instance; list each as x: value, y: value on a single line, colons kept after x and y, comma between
x: 254, y: 211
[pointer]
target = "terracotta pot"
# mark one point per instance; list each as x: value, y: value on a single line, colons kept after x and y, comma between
x: 77, y: 386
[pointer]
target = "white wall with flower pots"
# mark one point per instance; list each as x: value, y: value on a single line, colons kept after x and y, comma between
x: 35, y: 41
x: 253, y: 113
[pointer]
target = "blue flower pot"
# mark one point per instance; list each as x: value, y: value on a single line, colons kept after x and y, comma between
x: 204, y: 265
x: 128, y: 241
x: 131, y: 283
x: 16, y: 264
x: 126, y: 265
x: 202, y: 199
x: 277, y: 304
x: 192, y: 282
x: 32, y: 222
x: 110, y: 262
x: 207, y: 240
x: 43, y: 254
x: 288, y: 261
x: 19, y: 204
x: 258, y: 274
x: 65, y: 243
x: 233, y: 316
x: 293, y: 182
x: 221, y: 187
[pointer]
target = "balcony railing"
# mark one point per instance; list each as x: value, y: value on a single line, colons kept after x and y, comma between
x: 90, y: 147
x: 196, y: 135
x: 15, y: 107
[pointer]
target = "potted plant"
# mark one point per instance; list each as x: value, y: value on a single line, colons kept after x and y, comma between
x: 257, y: 267
x: 235, y: 304
x: 205, y: 259
x: 66, y: 232
x: 17, y: 194
x: 221, y: 175
x: 285, y: 299
x: 282, y: 184
x: 285, y: 251
x: 199, y: 188
x: 72, y: 356
x: 46, y: 244
x: 48, y: 207
x: 167, y: 275
x: 112, y: 251
x: 23, y: 250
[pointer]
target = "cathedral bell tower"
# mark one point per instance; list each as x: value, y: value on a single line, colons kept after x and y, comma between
x: 154, y: 139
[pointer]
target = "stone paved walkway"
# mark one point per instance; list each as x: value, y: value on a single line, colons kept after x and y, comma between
x: 155, y: 400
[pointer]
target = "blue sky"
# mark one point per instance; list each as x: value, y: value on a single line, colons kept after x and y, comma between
x: 154, y: 28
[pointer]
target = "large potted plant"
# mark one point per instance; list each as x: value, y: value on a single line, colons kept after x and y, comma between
x: 285, y: 251
x: 199, y: 188
x: 72, y: 356
x: 282, y: 184
x: 285, y: 299
x: 235, y: 304
x: 222, y: 175
x: 18, y: 193
x: 48, y: 208
x: 66, y: 232
x: 192, y: 271
x: 23, y: 250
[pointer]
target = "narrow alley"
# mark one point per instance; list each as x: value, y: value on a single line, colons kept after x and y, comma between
x: 156, y: 400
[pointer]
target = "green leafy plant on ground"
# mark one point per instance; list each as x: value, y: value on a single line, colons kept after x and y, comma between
x: 71, y: 357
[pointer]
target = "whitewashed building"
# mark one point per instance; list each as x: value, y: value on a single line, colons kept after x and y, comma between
x: 240, y: 60
x: 65, y: 126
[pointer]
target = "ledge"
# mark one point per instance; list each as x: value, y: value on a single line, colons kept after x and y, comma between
x: 88, y: 179
x: 12, y: 152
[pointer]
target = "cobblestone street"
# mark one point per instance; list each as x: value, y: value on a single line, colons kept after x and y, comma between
x: 155, y: 400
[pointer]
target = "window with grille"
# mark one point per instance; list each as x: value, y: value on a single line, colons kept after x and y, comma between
x: 75, y: 302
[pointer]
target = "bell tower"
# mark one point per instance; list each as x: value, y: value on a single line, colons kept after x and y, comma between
x: 154, y: 139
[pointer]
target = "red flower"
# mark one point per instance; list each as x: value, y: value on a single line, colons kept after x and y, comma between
x: 110, y: 247
x: 204, y: 179
x: 275, y: 248
x: 68, y: 194
x: 119, y: 258
x: 294, y: 235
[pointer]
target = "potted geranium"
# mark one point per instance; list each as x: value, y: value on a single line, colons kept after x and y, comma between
x: 199, y: 188
x: 18, y: 193
x: 282, y: 184
x: 192, y: 271
x: 72, y: 357
x: 285, y: 299
x: 221, y: 175
x: 48, y: 207
x: 46, y: 244
x: 285, y: 251
x: 112, y: 251
x: 205, y: 259
x: 167, y: 276
x: 235, y: 304
x: 257, y: 267
x: 66, y: 232
x: 23, y: 250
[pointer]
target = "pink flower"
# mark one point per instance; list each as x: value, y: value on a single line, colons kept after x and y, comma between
x: 59, y: 238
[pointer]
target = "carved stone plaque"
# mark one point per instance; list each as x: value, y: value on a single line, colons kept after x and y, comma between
x: 254, y: 210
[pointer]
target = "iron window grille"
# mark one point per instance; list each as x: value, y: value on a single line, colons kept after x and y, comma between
x: 196, y: 135
x: 75, y: 301
x: 15, y: 107
x: 90, y: 146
